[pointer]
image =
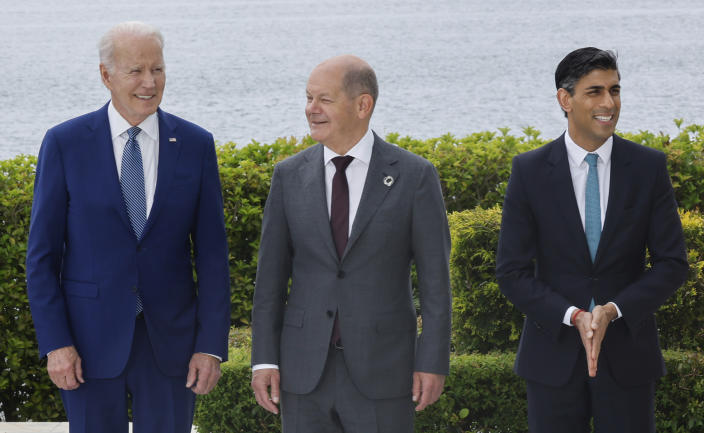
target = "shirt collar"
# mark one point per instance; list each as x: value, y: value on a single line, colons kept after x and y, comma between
x: 119, y: 126
x: 361, y: 151
x: 576, y: 154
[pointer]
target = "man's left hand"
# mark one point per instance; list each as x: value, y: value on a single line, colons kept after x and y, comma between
x: 427, y: 388
x: 602, y: 315
x: 203, y: 373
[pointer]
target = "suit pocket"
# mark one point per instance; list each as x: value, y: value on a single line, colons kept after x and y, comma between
x: 80, y: 289
x: 294, y: 317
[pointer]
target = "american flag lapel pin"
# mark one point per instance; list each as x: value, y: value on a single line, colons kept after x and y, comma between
x: 172, y: 139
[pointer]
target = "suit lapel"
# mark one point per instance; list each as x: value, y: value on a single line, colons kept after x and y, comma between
x: 312, y: 173
x: 375, y: 189
x: 560, y: 181
x: 107, y: 167
x: 169, y: 151
x: 618, y: 185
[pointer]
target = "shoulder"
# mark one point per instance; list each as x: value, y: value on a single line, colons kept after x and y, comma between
x: 314, y: 152
x: 553, y: 149
x: 181, y: 125
x: 392, y: 152
x: 86, y: 121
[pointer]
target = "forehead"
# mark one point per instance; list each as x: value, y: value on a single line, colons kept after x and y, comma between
x: 599, y: 78
x: 325, y: 80
x: 138, y: 49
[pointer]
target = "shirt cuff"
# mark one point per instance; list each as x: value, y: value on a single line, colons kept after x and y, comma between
x: 262, y: 366
x: 567, y: 319
x: 214, y: 356
x: 618, y: 310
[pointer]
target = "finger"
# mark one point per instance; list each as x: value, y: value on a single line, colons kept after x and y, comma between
x: 275, y: 390
x: 213, y: 381
x: 79, y: 370
x: 416, y: 386
x: 425, y: 396
x: 202, y: 381
x: 192, y: 376
x: 260, y: 385
x: 71, y: 382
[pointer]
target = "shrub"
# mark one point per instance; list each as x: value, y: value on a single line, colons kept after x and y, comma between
x: 25, y: 389
x: 482, y: 394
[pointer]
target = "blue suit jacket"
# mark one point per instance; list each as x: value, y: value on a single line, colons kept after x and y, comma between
x: 544, y: 266
x: 85, y: 265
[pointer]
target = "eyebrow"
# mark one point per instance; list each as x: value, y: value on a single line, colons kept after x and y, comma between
x: 616, y: 86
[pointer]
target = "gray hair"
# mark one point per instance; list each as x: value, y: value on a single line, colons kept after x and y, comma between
x: 106, y: 47
x: 361, y: 79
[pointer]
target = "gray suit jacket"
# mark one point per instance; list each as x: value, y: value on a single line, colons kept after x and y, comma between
x: 370, y: 287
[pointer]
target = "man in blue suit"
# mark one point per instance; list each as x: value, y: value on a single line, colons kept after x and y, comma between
x: 127, y: 200
x: 579, y: 215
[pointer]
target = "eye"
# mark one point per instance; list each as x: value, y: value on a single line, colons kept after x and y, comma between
x: 616, y: 91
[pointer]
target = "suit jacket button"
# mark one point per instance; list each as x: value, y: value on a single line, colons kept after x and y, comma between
x: 340, y: 274
x: 329, y: 313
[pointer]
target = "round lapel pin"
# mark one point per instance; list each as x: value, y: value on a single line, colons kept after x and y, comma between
x: 388, y: 181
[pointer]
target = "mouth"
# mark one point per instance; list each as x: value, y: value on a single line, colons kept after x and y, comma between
x: 145, y: 97
x: 604, y: 118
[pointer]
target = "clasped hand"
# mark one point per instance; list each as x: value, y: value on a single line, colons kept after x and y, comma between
x: 592, y: 328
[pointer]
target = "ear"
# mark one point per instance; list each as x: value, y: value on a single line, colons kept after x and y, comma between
x: 564, y: 99
x: 365, y: 104
x: 105, y: 76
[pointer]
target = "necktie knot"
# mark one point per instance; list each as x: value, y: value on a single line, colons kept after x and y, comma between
x: 341, y: 162
x: 591, y: 159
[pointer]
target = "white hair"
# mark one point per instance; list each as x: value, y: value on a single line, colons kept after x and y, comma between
x: 106, y: 47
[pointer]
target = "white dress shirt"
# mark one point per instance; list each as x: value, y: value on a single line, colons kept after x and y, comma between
x: 356, y: 176
x: 148, y: 139
x: 579, y: 170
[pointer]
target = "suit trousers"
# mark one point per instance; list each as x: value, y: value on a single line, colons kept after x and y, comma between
x: 569, y: 409
x: 160, y: 403
x: 337, y: 406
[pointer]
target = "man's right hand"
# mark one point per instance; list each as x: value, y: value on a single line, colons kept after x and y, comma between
x: 262, y: 379
x: 64, y: 367
x: 583, y: 323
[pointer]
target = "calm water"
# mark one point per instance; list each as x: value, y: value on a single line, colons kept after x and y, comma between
x: 239, y: 68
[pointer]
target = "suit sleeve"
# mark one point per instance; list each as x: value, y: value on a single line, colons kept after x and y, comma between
x: 273, y: 272
x: 211, y: 261
x: 515, y: 261
x: 431, y: 254
x: 45, y: 248
x: 668, y: 256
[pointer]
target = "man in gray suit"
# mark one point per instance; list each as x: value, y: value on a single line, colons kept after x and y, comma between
x: 344, y: 221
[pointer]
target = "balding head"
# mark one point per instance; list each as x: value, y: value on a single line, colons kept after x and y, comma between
x: 357, y: 75
x: 341, y: 94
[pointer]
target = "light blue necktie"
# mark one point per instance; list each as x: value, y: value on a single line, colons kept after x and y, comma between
x: 132, y: 183
x: 592, y: 209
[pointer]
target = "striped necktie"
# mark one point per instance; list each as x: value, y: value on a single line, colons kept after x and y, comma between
x: 132, y: 183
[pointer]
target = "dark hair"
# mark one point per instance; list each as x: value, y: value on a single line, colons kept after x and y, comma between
x: 359, y: 80
x: 579, y: 63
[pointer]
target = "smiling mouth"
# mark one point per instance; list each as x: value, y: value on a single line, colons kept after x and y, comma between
x: 604, y: 118
x: 145, y: 97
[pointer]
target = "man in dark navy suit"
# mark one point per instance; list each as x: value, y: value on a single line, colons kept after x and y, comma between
x: 579, y: 215
x: 126, y: 198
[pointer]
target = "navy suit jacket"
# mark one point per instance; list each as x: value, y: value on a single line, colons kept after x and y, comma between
x: 85, y: 265
x: 544, y: 266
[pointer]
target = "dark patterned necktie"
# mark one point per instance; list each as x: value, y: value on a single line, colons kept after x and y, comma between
x: 340, y: 218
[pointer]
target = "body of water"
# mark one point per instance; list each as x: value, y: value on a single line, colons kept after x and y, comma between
x: 239, y: 68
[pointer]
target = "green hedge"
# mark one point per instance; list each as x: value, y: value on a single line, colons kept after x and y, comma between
x: 473, y: 169
x: 482, y: 394
x: 484, y: 320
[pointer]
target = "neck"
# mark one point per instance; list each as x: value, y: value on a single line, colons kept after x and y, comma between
x: 344, y: 147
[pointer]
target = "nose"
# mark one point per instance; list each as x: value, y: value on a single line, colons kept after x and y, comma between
x: 148, y: 80
x: 312, y: 106
x: 608, y: 100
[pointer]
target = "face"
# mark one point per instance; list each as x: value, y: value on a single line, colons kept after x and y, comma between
x: 137, y: 80
x: 592, y: 112
x: 334, y: 118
